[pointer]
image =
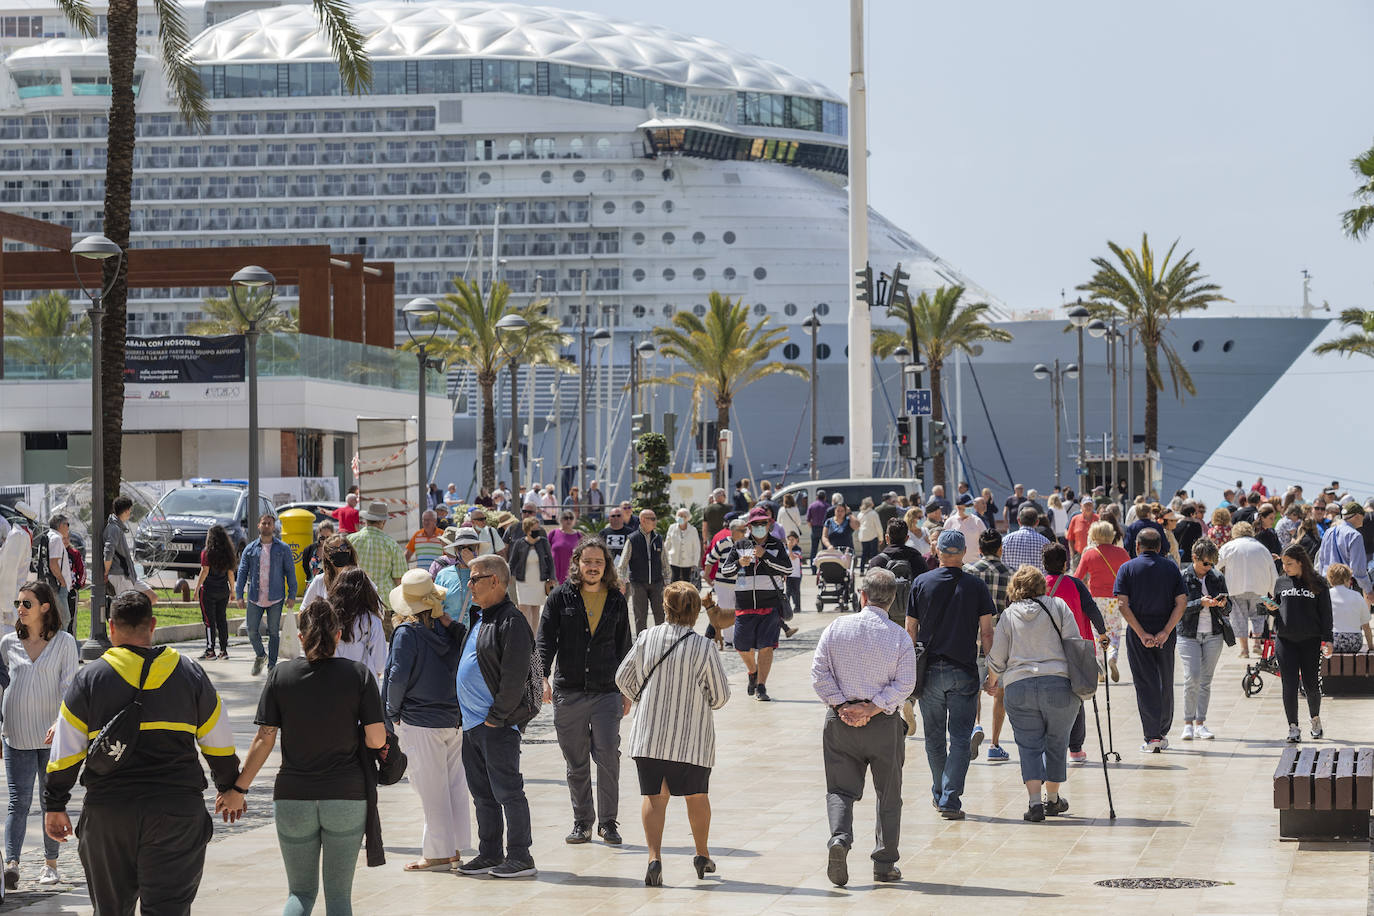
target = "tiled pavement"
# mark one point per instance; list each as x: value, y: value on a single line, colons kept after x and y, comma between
x: 1200, y: 810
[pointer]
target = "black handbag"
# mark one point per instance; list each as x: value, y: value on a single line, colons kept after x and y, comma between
x: 118, y: 737
x: 922, y: 666
x: 391, y: 761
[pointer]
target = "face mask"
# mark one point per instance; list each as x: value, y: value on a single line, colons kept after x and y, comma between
x: 758, y: 531
x: 682, y: 523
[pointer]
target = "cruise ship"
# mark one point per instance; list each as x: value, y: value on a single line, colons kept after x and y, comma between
x: 616, y: 168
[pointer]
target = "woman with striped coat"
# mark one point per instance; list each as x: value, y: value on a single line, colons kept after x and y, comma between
x: 676, y: 679
x: 41, y: 659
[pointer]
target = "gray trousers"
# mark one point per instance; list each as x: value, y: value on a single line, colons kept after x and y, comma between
x: 588, y: 728
x: 642, y: 595
x: 849, y: 753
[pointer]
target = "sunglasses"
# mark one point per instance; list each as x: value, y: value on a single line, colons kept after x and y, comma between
x: 472, y: 579
x: 1208, y: 565
x: 23, y: 603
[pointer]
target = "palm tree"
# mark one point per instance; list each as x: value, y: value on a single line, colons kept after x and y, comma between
x: 1148, y: 295
x: 48, y: 336
x: 1359, y: 221
x: 1361, y: 340
x: 222, y: 318
x: 723, y: 352
x: 940, y: 327
x: 183, y: 83
x: 470, y: 320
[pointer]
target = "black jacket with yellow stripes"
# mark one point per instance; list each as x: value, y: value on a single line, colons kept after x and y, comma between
x: 181, y: 711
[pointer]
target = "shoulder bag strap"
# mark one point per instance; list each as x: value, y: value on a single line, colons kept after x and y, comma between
x: 143, y: 677
x: 1098, y: 548
x: 1049, y: 612
x: 662, y: 658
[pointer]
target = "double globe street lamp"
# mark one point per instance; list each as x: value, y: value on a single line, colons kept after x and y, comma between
x: 100, y: 249
x: 1079, y: 316
x: 1056, y: 378
x: 419, y: 311
x: 512, y: 336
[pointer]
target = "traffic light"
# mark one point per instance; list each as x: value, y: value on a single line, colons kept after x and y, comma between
x: 898, y: 294
x: 639, y: 425
x: 865, y: 284
x: 938, y: 438
x: 904, y: 437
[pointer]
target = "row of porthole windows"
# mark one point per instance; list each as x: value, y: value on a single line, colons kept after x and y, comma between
x: 698, y: 273
x: 579, y: 176
x: 1227, y: 347
x: 640, y: 311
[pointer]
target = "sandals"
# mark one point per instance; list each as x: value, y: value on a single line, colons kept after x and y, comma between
x: 429, y: 865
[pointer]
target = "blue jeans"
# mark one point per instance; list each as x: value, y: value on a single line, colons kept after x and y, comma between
x: 255, y: 613
x: 319, y: 837
x: 1042, y: 711
x: 948, y: 704
x: 491, y: 759
x: 21, y: 768
x: 1199, y: 657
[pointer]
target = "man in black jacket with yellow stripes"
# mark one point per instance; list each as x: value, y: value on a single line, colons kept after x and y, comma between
x: 144, y: 827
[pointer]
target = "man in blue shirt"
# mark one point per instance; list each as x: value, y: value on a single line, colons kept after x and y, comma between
x: 1153, y: 597
x: 493, y: 675
x: 267, y: 575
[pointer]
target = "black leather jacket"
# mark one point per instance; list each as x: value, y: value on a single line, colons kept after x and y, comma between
x: 1216, y: 585
x: 504, y: 648
x: 587, y: 661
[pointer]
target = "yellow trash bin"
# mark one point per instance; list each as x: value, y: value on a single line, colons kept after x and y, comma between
x: 297, y: 530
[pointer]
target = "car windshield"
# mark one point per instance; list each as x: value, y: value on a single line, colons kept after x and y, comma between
x: 200, y: 501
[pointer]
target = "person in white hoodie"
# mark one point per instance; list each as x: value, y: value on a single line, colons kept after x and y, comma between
x: 16, y: 550
x: 1027, y: 657
x: 1249, y: 570
x: 682, y: 548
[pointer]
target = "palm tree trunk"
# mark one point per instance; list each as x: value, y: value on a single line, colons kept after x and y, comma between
x: 722, y: 422
x: 119, y: 178
x: 487, y: 383
x: 937, y: 414
x: 1151, y: 407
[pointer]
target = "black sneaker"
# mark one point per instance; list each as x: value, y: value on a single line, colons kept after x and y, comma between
x: 514, y: 868
x: 837, y: 864
x: 224, y: 653
x: 761, y: 694
x: 753, y: 682
x: 1035, y: 814
x: 952, y: 814
x: 608, y: 832
x: 480, y: 865
x: 887, y: 873
x: 1056, y: 807
x: 580, y: 833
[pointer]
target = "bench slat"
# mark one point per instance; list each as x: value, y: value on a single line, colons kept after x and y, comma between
x: 1364, y: 779
x: 1302, y: 778
x: 1345, y: 779
x: 1283, y: 777
x: 1324, y: 786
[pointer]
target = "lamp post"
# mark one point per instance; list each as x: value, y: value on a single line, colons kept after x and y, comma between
x: 420, y: 310
x: 1079, y: 318
x: 903, y: 356
x: 1056, y: 377
x: 642, y: 354
x: 96, y: 248
x: 812, y: 327
x: 250, y: 311
x: 600, y: 338
x: 512, y: 334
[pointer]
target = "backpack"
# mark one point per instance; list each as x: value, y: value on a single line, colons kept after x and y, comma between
x: 902, y: 570
x: 43, y: 570
x: 115, y: 742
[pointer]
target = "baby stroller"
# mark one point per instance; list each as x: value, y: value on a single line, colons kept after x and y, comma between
x: 835, y: 580
x: 1252, y: 683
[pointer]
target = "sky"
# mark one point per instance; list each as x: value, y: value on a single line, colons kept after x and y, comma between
x: 1014, y: 139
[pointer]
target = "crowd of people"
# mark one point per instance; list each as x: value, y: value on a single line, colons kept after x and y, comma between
x: 432, y: 657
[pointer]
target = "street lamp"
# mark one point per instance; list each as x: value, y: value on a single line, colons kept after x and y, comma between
x: 1056, y: 377
x: 513, y: 334
x: 252, y: 307
x: 639, y: 358
x: 601, y: 339
x: 812, y: 327
x: 97, y: 248
x: 419, y: 310
x: 1079, y: 317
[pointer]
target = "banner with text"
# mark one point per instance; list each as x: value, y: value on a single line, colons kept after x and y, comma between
x: 185, y: 368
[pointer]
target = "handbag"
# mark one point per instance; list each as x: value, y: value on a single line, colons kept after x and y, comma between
x: 1080, y: 655
x: 644, y: 684
x: 390, y: 761
x: 118, y: 737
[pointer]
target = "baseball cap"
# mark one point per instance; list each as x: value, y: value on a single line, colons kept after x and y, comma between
x: 966, y: 499
x: 951, y: 542
x: 759, y: 514
x: 1352, y: 509
x: 932, y: 506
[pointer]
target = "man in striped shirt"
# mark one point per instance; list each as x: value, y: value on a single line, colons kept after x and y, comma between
x: 425, y: 546
x: 760, y: 566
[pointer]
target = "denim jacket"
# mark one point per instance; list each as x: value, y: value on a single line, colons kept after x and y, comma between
x: 281, y: 576
x: 1216, y: 585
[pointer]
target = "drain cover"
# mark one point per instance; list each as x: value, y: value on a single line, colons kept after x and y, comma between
x: 1157, y: 884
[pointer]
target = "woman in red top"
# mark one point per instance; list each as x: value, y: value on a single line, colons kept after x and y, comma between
x: 1219, y: 532
x: 1085, y: 613
x: 1097, y: 567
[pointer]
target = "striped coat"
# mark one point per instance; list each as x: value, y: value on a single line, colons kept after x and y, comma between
x: 673, y: 714
x: 36, y: 688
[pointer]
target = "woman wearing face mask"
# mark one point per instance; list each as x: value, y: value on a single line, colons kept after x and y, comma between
x: 760, y: 567
x: 337, y: 555
x: 682, y: 548
x: 454, y: 577
x: 563, y: 541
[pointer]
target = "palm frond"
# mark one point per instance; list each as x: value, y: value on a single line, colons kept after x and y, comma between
x: 222, y: 318
x: 79, y: 15
x: 1360, y: 340
x: 346, y: 43
x: 183, y: 79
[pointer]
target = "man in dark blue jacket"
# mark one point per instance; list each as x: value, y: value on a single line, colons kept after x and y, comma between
x: 268, y: 574
x: 493, y: 674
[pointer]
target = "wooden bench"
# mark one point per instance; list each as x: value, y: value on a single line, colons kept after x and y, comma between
x: 1348, y: 673
x: 1325, y: 793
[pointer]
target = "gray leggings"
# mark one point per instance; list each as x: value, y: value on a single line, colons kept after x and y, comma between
x: 319, y: 837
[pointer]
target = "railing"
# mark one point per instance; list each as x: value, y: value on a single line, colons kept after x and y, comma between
x: 279, y: 356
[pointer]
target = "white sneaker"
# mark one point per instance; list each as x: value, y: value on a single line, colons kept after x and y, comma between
x: 49, y: 875
x: 1187, y: 733
x: 1316, y: 726
x: 1201, y: 731
x: 1294, y: 734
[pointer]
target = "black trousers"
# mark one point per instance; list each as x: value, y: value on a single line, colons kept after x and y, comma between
x: 1152, y: 670
x: 1299, y: 658
x: 150, y: 855
x: 214, y: 611
x: 682, y: 573
x: 849, y: 753
x: 1078, y: 732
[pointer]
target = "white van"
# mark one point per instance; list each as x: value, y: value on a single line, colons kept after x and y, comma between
x: 854, y: 489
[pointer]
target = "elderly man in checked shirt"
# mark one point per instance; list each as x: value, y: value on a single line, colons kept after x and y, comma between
x: 864, y: 668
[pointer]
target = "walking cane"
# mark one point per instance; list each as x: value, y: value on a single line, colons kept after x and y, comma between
x: 1110, y: 750
x: 1111, y: 808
